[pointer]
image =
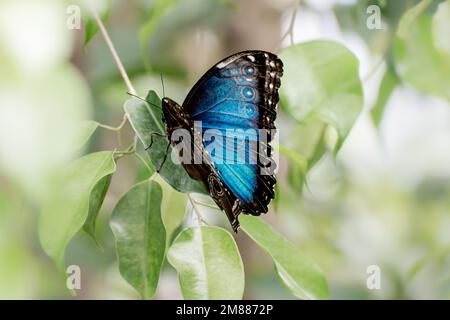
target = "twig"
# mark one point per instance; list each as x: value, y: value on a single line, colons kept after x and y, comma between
x: 130, y: 150
x: 113, y: 51
x: 290, y: 30
x: 195, y: 209
x: 118, y: 128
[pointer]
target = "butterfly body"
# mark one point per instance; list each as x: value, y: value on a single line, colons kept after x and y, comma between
x: 237, y: 95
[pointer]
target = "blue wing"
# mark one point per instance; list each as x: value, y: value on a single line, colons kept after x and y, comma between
x: 233, y: 100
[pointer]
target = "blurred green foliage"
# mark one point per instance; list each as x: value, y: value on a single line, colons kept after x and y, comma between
x: 364, y: 174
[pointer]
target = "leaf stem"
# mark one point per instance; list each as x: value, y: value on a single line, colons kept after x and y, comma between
x: 118, y: 128
x: 130, y: 150
x: 195, y: 209
x: 290, y: 31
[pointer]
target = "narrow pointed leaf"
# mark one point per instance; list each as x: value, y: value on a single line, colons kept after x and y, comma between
x: 298, y: 167
x: 388, y: 84
x: 87, y: 128
x: 146, y: 118
x: 140, y: 236
x: 66, y: 209
x: 208, y: 263
x: 91, y: 26
x: 299, y: 274
x: 95, y: 203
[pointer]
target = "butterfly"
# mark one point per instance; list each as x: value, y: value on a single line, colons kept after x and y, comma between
x: 239, y: 94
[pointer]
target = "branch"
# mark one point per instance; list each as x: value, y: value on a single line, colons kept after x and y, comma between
x: 195, y: 209
x: 113, y: 51
x: 290, y: 31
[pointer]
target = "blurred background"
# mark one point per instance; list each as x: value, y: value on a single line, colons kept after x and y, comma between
x: 384, y: 200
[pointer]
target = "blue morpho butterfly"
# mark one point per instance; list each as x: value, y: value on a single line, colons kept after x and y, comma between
x: 239, y: 92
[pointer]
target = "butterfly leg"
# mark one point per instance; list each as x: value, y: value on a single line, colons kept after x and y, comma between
x: 165, y: 157
x: 151, y: 138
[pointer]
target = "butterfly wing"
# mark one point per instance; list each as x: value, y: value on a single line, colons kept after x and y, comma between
x: 175, y: 118
x: 240, y: 92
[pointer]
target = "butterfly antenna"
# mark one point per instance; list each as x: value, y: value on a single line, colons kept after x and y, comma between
x: 150, y: 103
x: 162, y: 83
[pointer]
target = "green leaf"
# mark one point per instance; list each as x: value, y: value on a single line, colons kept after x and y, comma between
x: 66, y: 209
x: 276, y: 199
x: 91, y: 29
x: 388, y: 84
x: 91, y: 26
x: 300, y: 275
x: 410, y: 16
x: 146, y: 118
x: 321, y: 82
x: 173, y: 208
x: 440, y: 27
x: 208, y: 264
x: 304, y: 152
x: 298, y: 167
x: 95, y: 203
x: 87, y: 129
x: 312, y: 145
x: 419, y: 61
x: 140, y: 236
x: 433, y: 256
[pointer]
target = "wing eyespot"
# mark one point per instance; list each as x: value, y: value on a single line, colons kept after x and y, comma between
x: 249, y: 109
x: 215, y: 186
x: 248, y: 93
x: 248, y: 70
